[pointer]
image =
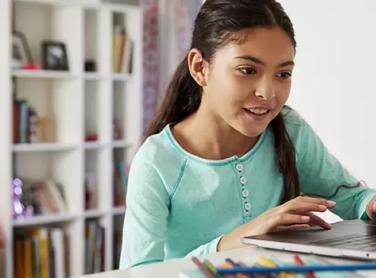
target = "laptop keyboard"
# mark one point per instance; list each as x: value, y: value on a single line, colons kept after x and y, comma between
x: 364, y: 242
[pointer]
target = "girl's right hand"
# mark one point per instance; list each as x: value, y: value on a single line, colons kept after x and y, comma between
x: 293, y: 214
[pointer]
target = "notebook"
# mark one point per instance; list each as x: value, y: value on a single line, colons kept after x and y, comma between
x: 347, y: 239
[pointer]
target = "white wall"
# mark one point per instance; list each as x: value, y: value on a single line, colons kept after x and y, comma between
x: 335, y: 76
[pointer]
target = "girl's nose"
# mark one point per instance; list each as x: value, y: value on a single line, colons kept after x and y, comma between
x: 265, y: 90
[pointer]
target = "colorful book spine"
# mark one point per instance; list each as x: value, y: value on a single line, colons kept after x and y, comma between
x: 39, y: 253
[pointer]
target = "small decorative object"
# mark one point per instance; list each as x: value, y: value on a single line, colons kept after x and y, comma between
x: 21, y: 54
x: 54, y: 56
x: 19, y: 210
x: 90, y: 137
x: 90, y: 66
x: 117, y: 130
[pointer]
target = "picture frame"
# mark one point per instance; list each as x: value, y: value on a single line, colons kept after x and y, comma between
x: 21, y: 54
x: 54, y: 56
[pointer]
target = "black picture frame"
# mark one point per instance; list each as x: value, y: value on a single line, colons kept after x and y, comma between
x: 21, y: 54
x: 54, y: 56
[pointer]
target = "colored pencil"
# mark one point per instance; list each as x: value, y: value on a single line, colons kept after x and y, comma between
x: 211, y: 268
x: 265, y: 261
x: 202, y: 268
x: 298, y: 269
x: 234, y: 264
x: 298, y: 260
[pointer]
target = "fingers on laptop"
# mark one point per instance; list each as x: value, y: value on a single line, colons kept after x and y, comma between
x: 371, y: 209
x: 306, y: 204
x: 294, y: 221
x: 292, y: 227
x: 287, y: 219
x: 319, y: 201
x: 317, y: 220
x: 292, y: 212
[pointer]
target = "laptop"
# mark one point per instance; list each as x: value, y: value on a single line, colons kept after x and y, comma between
x: 354, y: 239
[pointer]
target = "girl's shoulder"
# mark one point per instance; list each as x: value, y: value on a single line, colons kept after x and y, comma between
x: 297, y: 128
x: 158, y: 152
x: 292, y: 118
x: 157, y: 158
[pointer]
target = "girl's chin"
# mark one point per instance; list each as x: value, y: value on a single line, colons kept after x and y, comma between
x: 251, y: 131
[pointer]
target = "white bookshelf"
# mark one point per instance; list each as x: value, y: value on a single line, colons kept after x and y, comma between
x: 43, y: 147
x: 79, y: 103
x: 42, y: 74
x: 118, y: 211
x: 44, y: 219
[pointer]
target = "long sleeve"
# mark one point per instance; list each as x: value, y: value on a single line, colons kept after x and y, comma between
x: 145, y: 221
x: 321, y: 174
x: 145, y: 224
x: 208, y: 248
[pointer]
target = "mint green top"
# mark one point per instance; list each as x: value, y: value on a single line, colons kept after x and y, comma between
x: 179, y: 204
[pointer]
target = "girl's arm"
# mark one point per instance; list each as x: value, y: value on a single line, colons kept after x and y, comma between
x: 145, y: 224
x: 145, y: 221
x: 322, y: 175
x: 296, y: 213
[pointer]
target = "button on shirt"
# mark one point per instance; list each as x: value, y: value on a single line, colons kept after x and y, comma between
x: 243, y: 180
x: 247, y: 206
x: 245, y: 193
x: 239, y: 167
x: 179, y: 204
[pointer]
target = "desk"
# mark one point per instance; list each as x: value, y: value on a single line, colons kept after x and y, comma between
x: 172, y: 268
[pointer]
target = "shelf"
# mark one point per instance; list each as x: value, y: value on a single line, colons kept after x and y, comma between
x: 113, y: 76
x: 120, y: 76
x: 73, y: 103
x: 43, y: 219
x: 118, y: 210
x: 45, y: 2
x: 43, y: 74
x: 120, y: 144
x: 61, y: 2
x: 94, y: 145
x: 42, y: 147
x: 94, y: 213
x: 93, y: 76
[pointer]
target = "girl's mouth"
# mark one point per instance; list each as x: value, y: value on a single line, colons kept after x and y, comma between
x: 257, y: 113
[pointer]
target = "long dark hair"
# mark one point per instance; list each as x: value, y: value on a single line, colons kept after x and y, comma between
x: 216, y: 24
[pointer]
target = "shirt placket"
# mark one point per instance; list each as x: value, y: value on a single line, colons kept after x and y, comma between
x: 243, y: 181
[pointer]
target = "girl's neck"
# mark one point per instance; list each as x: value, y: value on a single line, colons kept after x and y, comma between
x: 208, y: 137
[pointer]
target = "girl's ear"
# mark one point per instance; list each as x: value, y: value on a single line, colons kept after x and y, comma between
x: 198, y: 67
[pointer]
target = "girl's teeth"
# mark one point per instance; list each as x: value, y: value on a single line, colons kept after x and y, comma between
x: 258, y: 111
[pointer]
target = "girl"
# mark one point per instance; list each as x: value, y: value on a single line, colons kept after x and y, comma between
x: 225, y: 158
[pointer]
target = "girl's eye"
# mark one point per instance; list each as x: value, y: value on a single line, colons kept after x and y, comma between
x: 247, y: 70
x: 284, y: 75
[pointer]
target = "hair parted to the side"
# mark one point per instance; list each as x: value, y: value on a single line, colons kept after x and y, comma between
x: 217, y: 23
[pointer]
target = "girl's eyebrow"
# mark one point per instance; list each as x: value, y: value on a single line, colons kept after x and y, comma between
x: 258, y: 61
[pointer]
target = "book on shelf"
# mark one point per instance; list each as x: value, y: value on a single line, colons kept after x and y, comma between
x: 90, y: 190
x: 127, y: 56
x: 120, y: 183
x: 29, y: 126
x: 40, y: 196
x: 119, y: 38
x: 40, y: 253
x: 117, y: 240
x: 122, y: 50
x: 94, y: 247
x: 16, y: 121
x: 20, y: 120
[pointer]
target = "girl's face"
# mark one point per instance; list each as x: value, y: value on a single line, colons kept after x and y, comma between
x: 248, y: 83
